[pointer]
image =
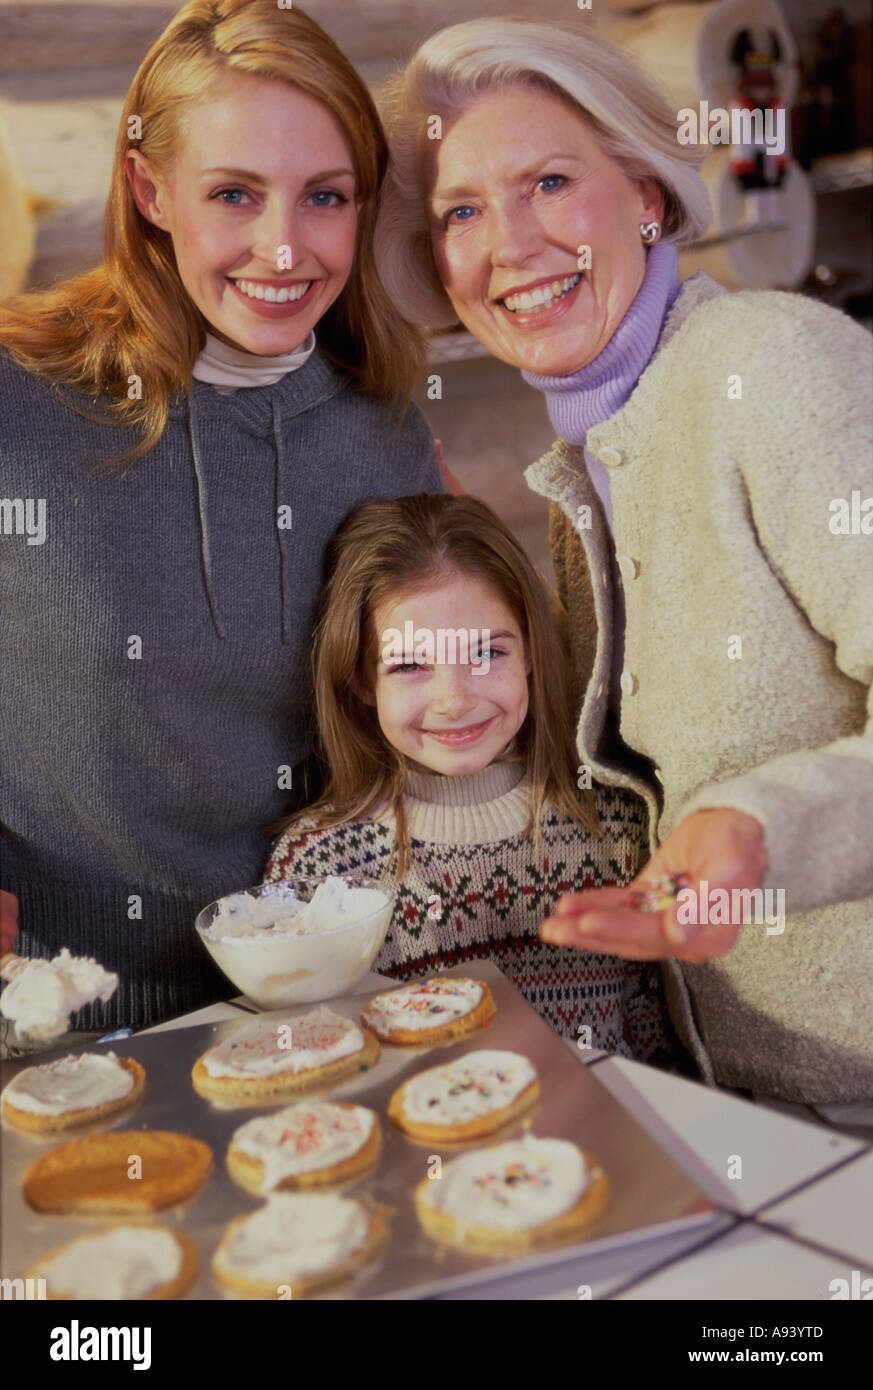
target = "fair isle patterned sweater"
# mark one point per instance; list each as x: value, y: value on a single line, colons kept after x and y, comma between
x: 474, y: 891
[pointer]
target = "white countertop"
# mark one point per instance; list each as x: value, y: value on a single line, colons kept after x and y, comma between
x: 796, y: 1198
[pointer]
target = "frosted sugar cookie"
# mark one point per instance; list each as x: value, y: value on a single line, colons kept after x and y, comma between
x: 430, y: 1011
x: 513, y: 1197
x: 72, y: 1090
x: 465, y: 1099
x: 42, y: 994
x: 308, y: 1144
x: 265, y: 1059
x: 296, y: 1241
x: 124, y: 1262
x: 101, y: 1172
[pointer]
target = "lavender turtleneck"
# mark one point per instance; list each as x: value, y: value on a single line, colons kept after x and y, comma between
x: 578, y: 402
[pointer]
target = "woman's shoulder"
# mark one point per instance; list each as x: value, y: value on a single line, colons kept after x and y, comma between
x: 26, y: 388
x: 20, y: 384
x: 713, y: 322
x: 35, y: 418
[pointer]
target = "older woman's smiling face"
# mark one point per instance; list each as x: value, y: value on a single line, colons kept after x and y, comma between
x: 519, y: 185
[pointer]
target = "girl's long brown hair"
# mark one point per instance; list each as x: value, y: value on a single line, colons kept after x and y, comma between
x: 131, y: 316
x: 386, y: 548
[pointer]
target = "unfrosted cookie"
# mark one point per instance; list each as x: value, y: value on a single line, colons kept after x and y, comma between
x: 101, y: 1173
x: 514, y: 1197
x: 124, y: 1262
x: 311, y: 1143
x: 430, y: 1011
x: 296, y: 1242
x: 264, y: 1059
x: 465, y: 1099
x: 71, y: 1091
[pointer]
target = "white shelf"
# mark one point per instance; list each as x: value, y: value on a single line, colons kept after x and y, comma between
x: 839, y: 172
x: 454, y: 347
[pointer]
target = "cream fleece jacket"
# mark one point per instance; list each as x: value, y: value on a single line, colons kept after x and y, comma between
x: 751, y: 419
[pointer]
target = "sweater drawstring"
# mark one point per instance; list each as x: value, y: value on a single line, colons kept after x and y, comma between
x: 279, y: 501
x: 202, y: 499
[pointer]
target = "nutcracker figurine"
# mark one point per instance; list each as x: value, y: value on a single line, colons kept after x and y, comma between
x: 759, y: 169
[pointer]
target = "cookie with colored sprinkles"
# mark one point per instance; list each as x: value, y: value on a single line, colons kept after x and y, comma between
x: 437, y: 1010
x: 266, y: 1060
x: 514, y: 1197
x: 467, y: 1099
x: 309, y: 1144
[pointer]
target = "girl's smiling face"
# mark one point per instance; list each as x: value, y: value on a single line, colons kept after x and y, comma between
x: 452, y: 716
x: 519, y: 185
x: 260, y: 203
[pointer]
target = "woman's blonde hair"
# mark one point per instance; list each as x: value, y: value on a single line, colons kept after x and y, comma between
x: 131, y: 316
x: 630, y: 118
x: 403, y: 545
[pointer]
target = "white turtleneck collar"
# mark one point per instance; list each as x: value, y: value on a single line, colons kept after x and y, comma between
x: 228, y: 368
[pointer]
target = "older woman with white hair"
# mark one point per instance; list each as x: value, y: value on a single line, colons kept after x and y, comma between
x: 710, y: 525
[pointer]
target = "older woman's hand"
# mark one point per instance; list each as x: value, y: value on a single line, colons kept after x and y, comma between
x: 724, y: 847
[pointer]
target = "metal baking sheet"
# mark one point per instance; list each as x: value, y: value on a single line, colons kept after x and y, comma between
x: 651, y: 1195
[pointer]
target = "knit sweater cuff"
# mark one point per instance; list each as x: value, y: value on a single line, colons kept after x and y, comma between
x: 798, y: 800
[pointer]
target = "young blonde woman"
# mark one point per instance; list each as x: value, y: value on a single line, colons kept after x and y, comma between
x: 444, y: 719
x: 181, y: 431
x: 710, y: 531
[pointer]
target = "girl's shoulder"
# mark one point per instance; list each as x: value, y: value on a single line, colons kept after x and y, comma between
x: 311, y: 848
x: 623, y: 817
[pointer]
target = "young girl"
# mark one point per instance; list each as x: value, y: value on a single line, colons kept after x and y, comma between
x: 444, y: 723
x: 182, y: 429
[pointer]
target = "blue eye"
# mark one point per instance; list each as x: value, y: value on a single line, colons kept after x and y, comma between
x: 329, y: 193
x: 232, y: 192
x: 464, y: 207
x: 556, y: 180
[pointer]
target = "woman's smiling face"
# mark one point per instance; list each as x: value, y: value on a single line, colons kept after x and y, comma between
x: 519, y: 185
x: 259, y: 166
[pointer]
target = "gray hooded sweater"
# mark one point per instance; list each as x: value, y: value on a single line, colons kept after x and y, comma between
x: 154, y: 655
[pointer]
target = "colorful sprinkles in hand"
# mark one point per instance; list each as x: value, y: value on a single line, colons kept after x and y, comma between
x: 660, y: 893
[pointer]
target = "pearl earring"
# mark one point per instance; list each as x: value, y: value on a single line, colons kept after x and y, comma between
x: 649, y: 232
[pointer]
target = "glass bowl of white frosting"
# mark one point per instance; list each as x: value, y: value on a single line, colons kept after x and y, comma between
x: 300, y: 939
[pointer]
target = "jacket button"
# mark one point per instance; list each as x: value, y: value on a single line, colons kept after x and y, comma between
x: 610, y: 458
x: 629, y: 567
x: 659, y: 776
x: 629, y: 683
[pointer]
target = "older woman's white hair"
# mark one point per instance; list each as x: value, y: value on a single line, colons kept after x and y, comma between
x: 630, y: 118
